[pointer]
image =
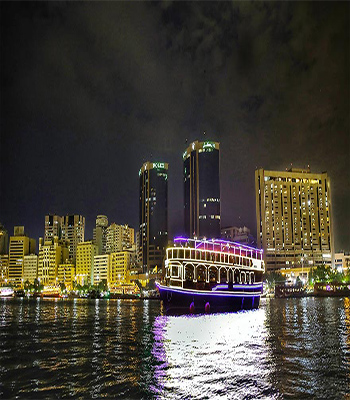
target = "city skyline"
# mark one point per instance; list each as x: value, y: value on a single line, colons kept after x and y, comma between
x: 94, y: 90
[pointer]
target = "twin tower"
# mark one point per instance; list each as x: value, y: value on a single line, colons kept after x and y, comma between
x: 201, y: 175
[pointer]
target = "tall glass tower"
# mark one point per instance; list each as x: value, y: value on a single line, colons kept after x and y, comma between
x: 153, y: 219
x: 202, y: 189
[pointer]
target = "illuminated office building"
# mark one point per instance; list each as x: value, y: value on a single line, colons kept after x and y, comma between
x: 101, y: 269
x: 84, y: 268
x: 20, y: 246
x: 52, y: 227
x: 202, y: 189
x: 52, y: 252
x: 100, y: 234
x: 119, y: 237
x: 294, y: 220
x: 30, y: 268
x: 153, y: 214
x: 120, y: 264
x: 66, y: 275
x: 73, y: 229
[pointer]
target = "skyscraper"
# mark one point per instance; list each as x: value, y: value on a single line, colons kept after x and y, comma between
x: 73, y: 229
x: 294, y: 221
x: 153, y: 215
x: 52, y: 227
x: 202, y: 189
x: 4, y: 240
x: 100, y: 234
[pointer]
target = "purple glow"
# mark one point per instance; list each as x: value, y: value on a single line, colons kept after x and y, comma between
x: 218, y: 241
x: 210, y: 294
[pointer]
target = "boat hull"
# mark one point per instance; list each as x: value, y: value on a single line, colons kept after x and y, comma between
x: 177, y: 300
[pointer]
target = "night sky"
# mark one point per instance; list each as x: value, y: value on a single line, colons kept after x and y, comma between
x: 90, y: 91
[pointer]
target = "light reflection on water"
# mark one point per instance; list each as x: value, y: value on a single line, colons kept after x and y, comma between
x: 213, y: 355
x: 298, y: 348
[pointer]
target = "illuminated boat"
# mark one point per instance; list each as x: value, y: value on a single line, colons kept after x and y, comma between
x: 211, y: 276
x: 51, y: 291
x: 6, y: 292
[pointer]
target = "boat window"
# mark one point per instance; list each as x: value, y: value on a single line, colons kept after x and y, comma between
x: 232, y: 260
x: 252, y: 277
x: 203, y: 255
x: 236, y: 276
x: 243, y: 277
x: 181, y: 253
x: 208, y: 256
x: 223, y: 275
x: 213, y: 274
x: 189, y: 273
x: 174, y: 253
x: 201, y: 274
x: 175, y: 272
x: 188, y: 253
x: 198, y: 256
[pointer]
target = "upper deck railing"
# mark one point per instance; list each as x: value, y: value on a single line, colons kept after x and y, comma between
x: 219, y: 245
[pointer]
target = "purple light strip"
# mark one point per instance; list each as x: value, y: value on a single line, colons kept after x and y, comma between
x: 219, y: 241
x: 207, y: 293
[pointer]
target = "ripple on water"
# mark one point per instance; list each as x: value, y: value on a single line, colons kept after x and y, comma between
x: 91, y: 349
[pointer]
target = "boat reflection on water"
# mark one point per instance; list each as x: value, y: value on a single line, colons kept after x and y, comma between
x: 208, y: 356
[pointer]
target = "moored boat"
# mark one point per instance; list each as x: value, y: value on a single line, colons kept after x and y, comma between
x: 51, y: 291
x: 211, y: 276
x: 6, y: 292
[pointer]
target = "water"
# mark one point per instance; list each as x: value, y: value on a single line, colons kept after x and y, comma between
x: 293, y: 348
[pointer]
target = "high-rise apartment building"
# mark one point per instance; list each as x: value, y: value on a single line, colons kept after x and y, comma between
x: 84, y: 267
x: 20, y: 246
x: 153, y: 214
x: 30, y: 268
x: 51, y: 253
x: 52, y: 227
x: 4, y: 240
x: 202, y: 189
x: 119, y: 237
x: 120, y: 264
x: 66, y: 275
x: 73, y: 229
x: 100, y: 234
x: 294, y: 220
x: 101, y: 269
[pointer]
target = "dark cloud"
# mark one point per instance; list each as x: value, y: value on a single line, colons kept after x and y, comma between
x: 92, y: 90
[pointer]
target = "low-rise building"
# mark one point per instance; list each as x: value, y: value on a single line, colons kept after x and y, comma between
x: 239, y: 235
x: 342, y: 262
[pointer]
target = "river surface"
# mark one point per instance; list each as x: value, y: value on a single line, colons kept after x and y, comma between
x: 293, y: 348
